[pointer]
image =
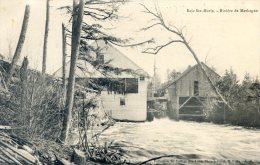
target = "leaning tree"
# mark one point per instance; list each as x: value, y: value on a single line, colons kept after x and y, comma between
x: 20, y: 44
x: 158, y: 20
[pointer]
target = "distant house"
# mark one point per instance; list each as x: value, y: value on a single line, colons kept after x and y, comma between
x: 189, y: 92
x: 124, y: 96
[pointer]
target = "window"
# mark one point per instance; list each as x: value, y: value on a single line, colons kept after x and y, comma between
x: 116, y: 86
x: 100, y: 58
x: 131, y: 85
x: 196, y: 88
x: 122, y: 101
x: 119, y: 86
x: 142, y: 78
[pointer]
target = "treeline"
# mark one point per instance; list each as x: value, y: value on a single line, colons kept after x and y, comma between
x: 243, y: 97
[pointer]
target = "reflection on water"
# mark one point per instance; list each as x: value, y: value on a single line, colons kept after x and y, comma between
x: 186, y: 140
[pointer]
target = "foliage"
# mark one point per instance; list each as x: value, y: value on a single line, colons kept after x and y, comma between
x: 172, y: 75
x: 99, y: 13
x: 243, y: 97
x: 41, y: 121
x: 89, y: 122
x: 42, y: 113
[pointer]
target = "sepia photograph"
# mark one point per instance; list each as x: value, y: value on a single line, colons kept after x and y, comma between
x: 131, y: 82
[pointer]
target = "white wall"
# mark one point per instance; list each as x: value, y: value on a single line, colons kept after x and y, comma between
x: 135, y: 108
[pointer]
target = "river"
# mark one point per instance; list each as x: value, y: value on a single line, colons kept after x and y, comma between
x: 185, y: 139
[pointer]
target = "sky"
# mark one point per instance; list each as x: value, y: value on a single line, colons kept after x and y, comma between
x: 222, y: 40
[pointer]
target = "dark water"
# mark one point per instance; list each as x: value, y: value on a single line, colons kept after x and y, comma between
x: 186, y: 140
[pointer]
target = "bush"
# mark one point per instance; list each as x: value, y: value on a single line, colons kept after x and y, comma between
x: 41, y: 113
x: 243, y: 98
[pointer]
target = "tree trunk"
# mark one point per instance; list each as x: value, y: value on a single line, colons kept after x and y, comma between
x: 19, y: 44
x: 79, y: 157
x: 78, y: 9
x: 64, y: 61
x: 44, y: 56
x: 2, y: 81
x: 24, y: 80
x: 205, y: 73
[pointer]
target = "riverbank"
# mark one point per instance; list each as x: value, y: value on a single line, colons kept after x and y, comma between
x: 20, y: 150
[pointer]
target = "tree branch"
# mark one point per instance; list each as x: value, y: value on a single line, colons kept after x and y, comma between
x: 132, y: 45
x: 158, y: 48
x: 158, y: 16
x: 149, y: 27
x: 102, y: 2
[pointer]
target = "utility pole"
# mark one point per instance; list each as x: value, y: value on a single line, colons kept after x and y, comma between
x: 154, y: 75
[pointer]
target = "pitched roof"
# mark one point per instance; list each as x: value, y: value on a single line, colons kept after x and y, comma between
x: 188, y: 71
x: 112, y: 54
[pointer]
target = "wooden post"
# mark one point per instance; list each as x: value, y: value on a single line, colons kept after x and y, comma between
x: 78, y: 9
x: 177, y: 108
x: 224, y: 116
x: 19, y: 44
x: 258, y: 107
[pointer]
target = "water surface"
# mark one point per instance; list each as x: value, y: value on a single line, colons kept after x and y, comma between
x: 185, y: 139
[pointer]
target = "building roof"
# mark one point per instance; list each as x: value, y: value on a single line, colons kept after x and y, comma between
x: 188, y: 71
x: 113, y: 55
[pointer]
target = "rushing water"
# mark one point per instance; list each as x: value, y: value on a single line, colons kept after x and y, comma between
x: 186, y: 140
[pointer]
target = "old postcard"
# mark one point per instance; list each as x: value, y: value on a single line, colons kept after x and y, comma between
x: 130, y: 82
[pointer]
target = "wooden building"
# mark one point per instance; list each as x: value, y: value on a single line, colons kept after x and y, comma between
x: 124, y: 95
x: 189, y: 93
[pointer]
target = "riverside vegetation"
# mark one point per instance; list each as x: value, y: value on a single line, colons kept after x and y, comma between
x: 243, y: 97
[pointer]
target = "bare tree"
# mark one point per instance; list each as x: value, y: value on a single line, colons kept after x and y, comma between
x: 159, y: 21
x: 64, y: 60
x: 78, y: 9
x: 19, y: 44
x: 44, y: 56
